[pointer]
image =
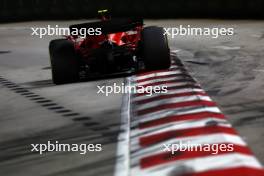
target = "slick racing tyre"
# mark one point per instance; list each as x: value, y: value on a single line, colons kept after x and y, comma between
x: 155, y: 49
x: 64, y: 62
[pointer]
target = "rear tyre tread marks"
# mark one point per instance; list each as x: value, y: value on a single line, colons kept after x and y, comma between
x: 51, y: 106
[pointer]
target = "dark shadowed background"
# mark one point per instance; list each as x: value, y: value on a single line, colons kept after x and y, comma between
x: 17, y: 10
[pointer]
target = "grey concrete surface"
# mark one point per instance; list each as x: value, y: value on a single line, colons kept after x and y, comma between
x: 230, y: 69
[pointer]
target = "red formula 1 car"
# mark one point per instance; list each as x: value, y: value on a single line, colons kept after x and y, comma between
x: 122, y: 45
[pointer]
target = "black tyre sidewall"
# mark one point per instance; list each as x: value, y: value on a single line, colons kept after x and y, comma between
x: 155, y: 49
x: 64, y: 61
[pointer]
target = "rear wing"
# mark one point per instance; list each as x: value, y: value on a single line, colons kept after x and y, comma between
x: 111, y: 26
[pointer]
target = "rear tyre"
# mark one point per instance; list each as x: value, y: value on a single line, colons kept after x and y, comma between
x: 155, y: 49
x: 64, y: 61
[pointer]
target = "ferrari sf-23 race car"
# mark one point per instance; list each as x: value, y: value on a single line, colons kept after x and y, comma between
x: 123, y: 45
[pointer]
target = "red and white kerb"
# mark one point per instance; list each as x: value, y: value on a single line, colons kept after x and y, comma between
x: 184, y: 114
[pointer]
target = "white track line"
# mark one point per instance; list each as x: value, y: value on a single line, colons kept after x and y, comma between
x: 177, y: 111
x: 172, y: 92
x: 175, y: 78
x: 162, y: 73
x: 172, y: 100
x: 123, y: 147
x: 177, y: 126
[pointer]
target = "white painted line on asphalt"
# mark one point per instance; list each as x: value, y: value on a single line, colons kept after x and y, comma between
x: 173, y: 52
x: 161, y: 73
x: 162, y: 79
x: 177, y: 126
x: 137, y: 121
x: 123, y: 147
x: 177, y: 111
x: 227, y: 47
x: 172, y: 100
x: 257, y: 70
x: 170, y: 92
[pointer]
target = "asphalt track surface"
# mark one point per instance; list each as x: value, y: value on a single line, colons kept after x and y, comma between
x: 33, y: 110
